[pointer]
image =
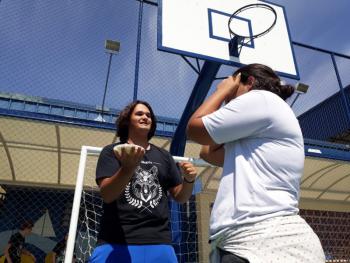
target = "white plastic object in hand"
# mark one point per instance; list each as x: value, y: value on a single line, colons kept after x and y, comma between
x: 126, y: 146
x: 195, y: 161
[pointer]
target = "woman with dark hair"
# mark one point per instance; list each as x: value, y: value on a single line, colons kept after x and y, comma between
x: 123, y: 122
x: 257, y: 140
x: 134, y: 186
x: 15, y: 252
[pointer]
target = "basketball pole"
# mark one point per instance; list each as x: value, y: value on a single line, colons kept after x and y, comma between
x: 233, y: 46
x: 205, y: 79
x: 201, y: 88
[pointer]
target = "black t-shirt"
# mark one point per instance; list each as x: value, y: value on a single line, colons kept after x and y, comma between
x: 15, y: 250
x: 140, y: 214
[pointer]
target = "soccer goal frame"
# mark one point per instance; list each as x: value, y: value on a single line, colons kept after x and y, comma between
x: 85, y: 152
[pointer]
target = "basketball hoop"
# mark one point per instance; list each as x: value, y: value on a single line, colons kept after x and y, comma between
x: 238, y: 40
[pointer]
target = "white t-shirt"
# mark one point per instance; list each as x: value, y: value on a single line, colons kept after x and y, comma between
x: 264, y: 160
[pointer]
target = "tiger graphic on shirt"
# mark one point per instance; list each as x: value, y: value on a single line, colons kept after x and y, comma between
x: 144, y: 189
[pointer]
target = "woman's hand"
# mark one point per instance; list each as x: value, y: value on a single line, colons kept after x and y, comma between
x: 112, y: 187
x: 182, y: 192
x: 189, y: 171
x: 226, y: 91
x: 229, y: 87
x: 130, y: 159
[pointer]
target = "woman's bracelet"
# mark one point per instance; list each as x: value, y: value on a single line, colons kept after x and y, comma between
x: 189, y: 182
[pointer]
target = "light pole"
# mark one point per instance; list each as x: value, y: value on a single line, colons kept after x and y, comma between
x: 300, y: 88
x: 111, y: 47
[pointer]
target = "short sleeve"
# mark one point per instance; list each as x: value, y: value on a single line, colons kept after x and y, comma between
x: 243, y: 117
x: 107, y: 164
x: 174, y: 174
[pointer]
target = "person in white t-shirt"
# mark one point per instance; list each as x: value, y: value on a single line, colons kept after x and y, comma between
x: 257, y: 140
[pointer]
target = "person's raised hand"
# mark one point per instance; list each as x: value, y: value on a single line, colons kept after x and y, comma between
x: 229, y: 86
x: 130, y: 156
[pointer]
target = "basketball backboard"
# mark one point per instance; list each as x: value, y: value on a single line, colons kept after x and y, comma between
x: 199, y: 29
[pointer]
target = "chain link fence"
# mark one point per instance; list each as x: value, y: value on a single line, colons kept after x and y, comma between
x: 53, y: 77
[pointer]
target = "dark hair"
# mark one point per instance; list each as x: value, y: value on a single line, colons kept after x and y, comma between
x: 123, y: 121
x: 26, y: 224
x: 265, y: 79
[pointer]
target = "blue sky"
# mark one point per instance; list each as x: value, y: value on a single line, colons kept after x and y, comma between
x: 55, y: 49
x: 319, y: 23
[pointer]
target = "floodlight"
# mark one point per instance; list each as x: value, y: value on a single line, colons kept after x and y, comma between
x: 301, y: 87
x: 112, y: 46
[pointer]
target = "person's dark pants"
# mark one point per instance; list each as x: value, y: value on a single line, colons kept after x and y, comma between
x: 227, y: 257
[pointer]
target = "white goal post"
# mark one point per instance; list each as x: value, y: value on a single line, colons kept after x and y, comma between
x: 85, y: 152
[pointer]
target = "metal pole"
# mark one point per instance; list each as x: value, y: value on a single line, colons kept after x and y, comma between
x: 106, y: 84
x: 342, y: 92
x: 138, y: 47
x: 296, y: 97
x: 199, y: 92
x: 76, y: 207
